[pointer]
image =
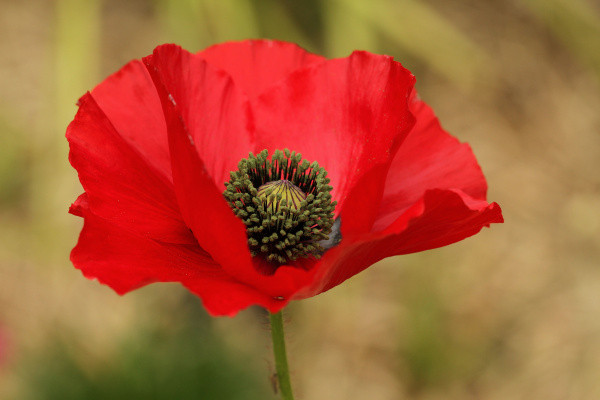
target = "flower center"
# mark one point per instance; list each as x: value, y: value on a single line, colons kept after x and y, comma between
x: 285, y: 203
x: 282, y: 193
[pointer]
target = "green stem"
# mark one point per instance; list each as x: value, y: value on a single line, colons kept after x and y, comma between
x: 281, y: 364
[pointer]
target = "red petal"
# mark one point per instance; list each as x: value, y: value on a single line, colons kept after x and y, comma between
x: 126, y: 262
x: 349, y: 115
x: 80, y: 206
x: 130, y: 102
x: 429, y: 158
x: 120, y: 185
x: 214, y: 110
x: 255, y: 65
x: 439, y: 218
x: 202, y: 204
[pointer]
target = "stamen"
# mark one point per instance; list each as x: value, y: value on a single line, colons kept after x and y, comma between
x: 285, y: 203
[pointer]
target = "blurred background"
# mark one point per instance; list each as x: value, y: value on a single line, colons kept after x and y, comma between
x: 512, y: 313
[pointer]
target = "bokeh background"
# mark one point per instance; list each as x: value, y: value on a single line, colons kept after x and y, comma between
x: 512, y: 313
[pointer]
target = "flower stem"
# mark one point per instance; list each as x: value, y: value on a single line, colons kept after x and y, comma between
x: 281, y: 364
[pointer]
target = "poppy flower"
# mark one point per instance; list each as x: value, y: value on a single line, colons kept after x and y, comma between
x: 256, y: 173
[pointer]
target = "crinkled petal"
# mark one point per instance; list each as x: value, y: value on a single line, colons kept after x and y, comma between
x: 429, y: 158
x: 125, y: 262
x: 121, y: 185
x: 347, y: 114
x: 130, y: 102
x: 439, y: 218
x: 255, y: 65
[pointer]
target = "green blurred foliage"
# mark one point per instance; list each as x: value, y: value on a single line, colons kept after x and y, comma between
x: 576, y: 23
x: 14, y: 165
x: 182, y: 359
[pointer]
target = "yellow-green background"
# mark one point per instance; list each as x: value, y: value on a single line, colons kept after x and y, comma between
x: 512, y: 313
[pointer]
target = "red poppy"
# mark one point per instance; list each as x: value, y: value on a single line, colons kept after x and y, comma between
x: 154, y: 145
